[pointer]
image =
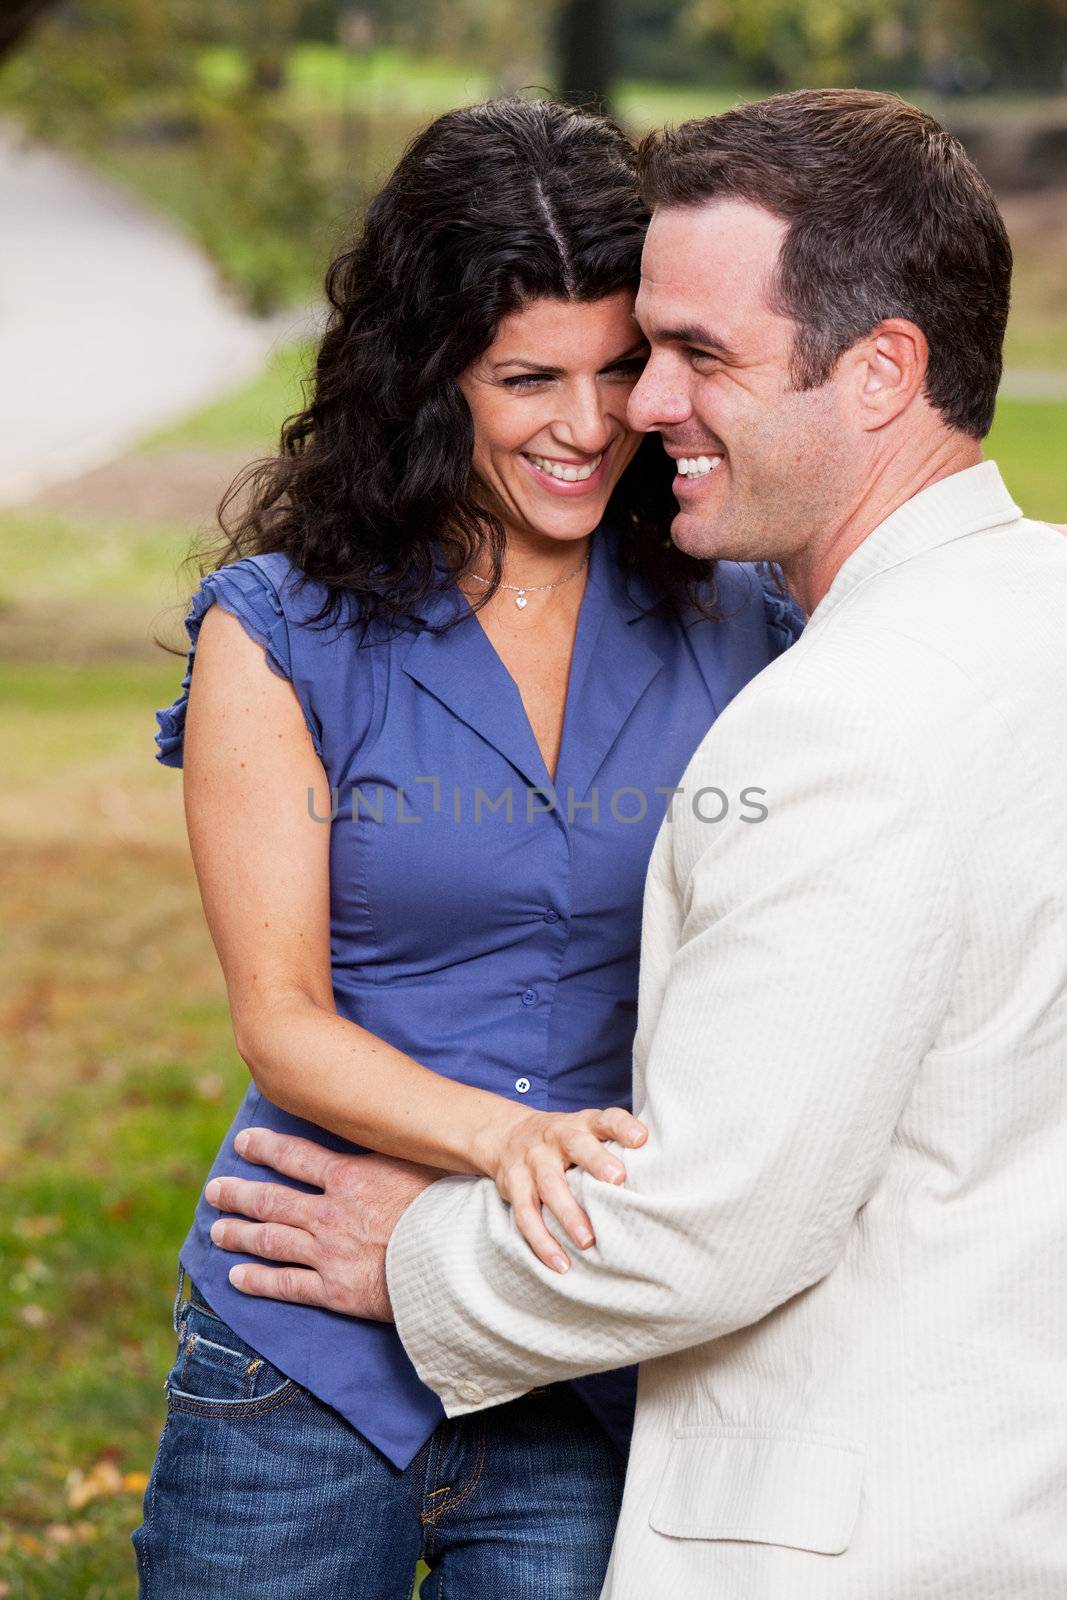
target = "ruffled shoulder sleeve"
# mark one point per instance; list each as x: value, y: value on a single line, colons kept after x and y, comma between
x: 785, y: 619
x: 246, y: 591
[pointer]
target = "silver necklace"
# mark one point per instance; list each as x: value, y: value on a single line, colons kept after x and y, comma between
x: 521, y: 590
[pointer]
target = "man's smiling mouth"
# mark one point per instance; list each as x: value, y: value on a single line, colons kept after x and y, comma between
x: 698, y: 466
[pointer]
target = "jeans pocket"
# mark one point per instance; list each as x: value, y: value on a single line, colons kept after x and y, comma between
x: 217, y: 1374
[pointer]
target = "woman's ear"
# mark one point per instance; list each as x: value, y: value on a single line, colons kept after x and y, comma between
x: 890, y: 369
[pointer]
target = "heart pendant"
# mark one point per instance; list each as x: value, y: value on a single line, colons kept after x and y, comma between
x: 520, y: 600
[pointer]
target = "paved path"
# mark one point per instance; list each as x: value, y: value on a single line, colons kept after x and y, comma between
x: 1034, y: 385
x: 111, y: 323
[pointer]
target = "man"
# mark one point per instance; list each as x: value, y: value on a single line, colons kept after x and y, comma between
x: 842, y: 1252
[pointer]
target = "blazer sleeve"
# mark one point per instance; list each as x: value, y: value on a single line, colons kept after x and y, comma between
x: 794, y: 972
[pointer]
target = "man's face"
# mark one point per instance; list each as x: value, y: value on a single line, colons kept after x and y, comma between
x: 763, y: 468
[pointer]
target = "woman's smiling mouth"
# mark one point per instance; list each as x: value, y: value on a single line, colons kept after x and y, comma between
x: 566, y: 477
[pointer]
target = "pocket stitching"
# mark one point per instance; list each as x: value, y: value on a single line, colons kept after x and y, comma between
x: 180, y: 1400
x: 251, y: 1405
x: 242, y: 1359
x: 758, y: 1533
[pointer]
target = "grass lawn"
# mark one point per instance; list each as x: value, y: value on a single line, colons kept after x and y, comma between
x: 1029, y: 443
x: 117, y: 1068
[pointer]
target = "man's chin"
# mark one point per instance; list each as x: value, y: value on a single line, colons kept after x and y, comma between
x: 698, y: 536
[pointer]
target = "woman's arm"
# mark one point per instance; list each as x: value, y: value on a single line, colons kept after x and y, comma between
x: 262, y: 864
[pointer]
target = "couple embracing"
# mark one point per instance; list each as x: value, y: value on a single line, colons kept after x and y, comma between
x: 632, y: 485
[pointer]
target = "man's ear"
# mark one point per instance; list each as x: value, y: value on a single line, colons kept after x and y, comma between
x: 889, y: 370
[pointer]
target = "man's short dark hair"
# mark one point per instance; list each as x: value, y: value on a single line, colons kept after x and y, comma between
x: 887, y: 218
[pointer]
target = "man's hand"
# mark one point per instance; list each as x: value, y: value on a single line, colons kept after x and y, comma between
x: 338, y: 1237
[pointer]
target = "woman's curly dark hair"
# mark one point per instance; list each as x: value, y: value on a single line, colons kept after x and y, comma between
x: 490, y: 208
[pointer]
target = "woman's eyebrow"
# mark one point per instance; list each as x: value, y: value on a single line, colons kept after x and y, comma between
x: 532, y: 366
x: 635, y: 349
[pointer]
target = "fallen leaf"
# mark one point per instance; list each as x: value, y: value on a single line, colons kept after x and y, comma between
x: 37, y: 1227
x: 70, y: 1532
x: 30, y: 1545
x: 135, y: 1482
x: 102, y: 1479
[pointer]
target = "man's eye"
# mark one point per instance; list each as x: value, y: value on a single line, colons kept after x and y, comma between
x: 696, y: 356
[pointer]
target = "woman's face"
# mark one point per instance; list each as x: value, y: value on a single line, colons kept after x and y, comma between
x: 548, y: 401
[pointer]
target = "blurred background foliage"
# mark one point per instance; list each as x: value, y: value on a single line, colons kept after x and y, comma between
x: 261, y: 131
x: 262, y: 128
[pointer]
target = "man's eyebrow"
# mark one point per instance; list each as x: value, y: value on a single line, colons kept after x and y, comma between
x: 694, y: 333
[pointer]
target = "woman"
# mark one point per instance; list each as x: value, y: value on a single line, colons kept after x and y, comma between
x: 486, y: 668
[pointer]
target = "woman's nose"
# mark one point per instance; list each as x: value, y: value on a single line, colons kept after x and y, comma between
x: 588, y: 425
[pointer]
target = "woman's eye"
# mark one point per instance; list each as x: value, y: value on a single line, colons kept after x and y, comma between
x: 631, y: 368
x: 525, y: 380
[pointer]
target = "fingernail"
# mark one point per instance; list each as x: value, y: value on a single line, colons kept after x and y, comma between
x: 561, y: 1263
x: 237, y: 1276
x: 617, y: 1175
x: 216, y: 1232
x: 212, y: 1192
x: 584, y: 1238
x: 240, y: 1144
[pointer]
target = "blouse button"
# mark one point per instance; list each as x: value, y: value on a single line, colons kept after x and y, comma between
x: 522, y: 1085
x: 551, y: 916
x: 529, y: 997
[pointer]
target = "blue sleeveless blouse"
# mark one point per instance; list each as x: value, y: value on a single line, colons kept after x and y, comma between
x: 482, y: 919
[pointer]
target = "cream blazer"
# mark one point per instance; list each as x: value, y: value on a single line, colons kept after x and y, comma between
x: 842, y: 1255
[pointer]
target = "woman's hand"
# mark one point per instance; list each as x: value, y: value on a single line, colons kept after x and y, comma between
x: 527, y: 1160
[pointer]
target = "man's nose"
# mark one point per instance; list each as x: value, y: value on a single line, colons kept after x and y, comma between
x: 657, y: 400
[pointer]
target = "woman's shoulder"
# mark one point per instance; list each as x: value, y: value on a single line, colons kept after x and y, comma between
x: 275, y: 578
x: 270, y: 592
x: 273, y: 601
x: 753, y: 595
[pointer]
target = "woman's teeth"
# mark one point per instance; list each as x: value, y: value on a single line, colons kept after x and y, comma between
x: 565, y: 474
x: 697, y: 466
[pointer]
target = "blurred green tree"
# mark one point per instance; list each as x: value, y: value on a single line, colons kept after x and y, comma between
x: 787, y: 42
x: 16, y: 20
x: 586, y: 51
x: 128, y: 80
x: 955, y: 45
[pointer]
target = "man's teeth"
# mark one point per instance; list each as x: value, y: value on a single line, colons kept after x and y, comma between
x: 697, y: 466
x: 565, y: 474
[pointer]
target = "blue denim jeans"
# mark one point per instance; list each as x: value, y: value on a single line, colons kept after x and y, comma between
x: 261, y: 1492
